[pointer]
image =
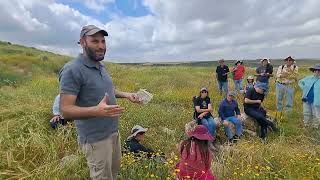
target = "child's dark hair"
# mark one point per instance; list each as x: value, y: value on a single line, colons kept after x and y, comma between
x: 203, y: 148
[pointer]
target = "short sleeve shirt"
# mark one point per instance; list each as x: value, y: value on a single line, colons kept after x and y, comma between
x: 253, y: 95
x: 264, y: 69
x: 89, y: 82
x: 203, y: 103
x: 221, y: 72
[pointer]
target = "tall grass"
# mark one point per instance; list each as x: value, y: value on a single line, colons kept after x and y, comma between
x: 30, y: 149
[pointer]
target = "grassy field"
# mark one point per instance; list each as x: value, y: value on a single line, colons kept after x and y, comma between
x: 30, y: 149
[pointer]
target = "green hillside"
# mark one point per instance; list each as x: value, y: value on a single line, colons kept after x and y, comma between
x: 30, y: 149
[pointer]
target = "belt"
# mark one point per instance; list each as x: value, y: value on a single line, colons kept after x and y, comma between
x: 284, y: 83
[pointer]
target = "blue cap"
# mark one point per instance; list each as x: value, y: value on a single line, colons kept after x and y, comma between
x: 316, y: 67
x: 231, y: 93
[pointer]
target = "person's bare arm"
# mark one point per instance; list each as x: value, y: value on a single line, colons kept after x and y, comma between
x: 130, y: 96
x: 70, y: 110
x: 201, y: 110
x: 249, y: 101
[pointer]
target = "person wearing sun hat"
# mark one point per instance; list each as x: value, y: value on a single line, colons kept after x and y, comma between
x: 286, y: 79
x: 195, y: 155
x: 264, y: 71
x: 310, y: 86
x: 250, y: 83
x: 133, y: 142
x: 252, y: 107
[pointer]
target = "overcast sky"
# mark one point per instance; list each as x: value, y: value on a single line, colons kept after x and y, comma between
x: 164, y: 30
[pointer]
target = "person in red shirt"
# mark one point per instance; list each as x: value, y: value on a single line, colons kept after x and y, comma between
x: 195, y: 156
x: 238, y: 74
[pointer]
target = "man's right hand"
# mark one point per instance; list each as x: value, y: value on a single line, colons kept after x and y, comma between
x: 105, y: 110
x: 258, y: 101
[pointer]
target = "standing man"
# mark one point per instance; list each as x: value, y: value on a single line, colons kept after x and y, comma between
x: 88, y: 96
x: 264, y: 72
x: 222, y: 76
x: 252, y: 107
x: 238, y: 73
x: 286, y: 79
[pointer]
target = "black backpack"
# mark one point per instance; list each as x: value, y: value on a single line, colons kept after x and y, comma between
x: 194, y: 101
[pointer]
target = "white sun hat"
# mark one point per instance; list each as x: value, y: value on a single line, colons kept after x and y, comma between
x: 135, y: 130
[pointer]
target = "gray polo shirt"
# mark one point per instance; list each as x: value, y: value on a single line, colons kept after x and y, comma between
x: 83, y: 79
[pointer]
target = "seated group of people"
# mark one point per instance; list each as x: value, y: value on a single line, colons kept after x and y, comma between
x: 229, y: 112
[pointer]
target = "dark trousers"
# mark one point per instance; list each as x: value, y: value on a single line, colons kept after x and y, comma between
x: 259, y: 114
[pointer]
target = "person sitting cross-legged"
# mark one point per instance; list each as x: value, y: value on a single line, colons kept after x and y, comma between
x: 229, y: 112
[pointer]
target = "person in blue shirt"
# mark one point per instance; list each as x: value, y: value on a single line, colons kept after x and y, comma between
x: 57, y: 118
x: 310, y: 86
x: 229, y: 112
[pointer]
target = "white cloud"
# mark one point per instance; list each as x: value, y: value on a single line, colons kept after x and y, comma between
x: 97, y: 5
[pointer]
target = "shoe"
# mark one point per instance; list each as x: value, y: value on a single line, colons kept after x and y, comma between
x: 274, y: 128
x: 235, y: 138
x: 263, y: 140
x: 54, y: 125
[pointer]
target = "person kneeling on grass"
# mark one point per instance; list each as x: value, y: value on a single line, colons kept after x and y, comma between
x: 195, y: 155
x: 252, y: 107
x: 203, y: 111
x: 133, y: 143
x: 57, y: 118
x: 227, y: 110
x: 310, y: 86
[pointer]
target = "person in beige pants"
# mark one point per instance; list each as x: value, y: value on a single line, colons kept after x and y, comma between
x: 87, y: 95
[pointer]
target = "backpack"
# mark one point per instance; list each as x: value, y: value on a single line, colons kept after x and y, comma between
x: 194, y: 101
x: 294, y: 67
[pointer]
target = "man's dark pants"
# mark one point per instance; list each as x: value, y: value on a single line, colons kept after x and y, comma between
x: 259, y: 114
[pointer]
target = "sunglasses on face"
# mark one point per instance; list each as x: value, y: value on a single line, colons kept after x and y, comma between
x: 204, y: 92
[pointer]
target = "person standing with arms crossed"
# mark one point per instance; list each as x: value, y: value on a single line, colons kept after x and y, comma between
x: 88, y: 96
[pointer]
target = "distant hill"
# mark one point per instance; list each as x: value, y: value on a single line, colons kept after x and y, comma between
x: 249, y: 63
x: 18, y: 63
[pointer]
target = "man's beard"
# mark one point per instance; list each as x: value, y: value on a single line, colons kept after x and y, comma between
x: 92, y: 54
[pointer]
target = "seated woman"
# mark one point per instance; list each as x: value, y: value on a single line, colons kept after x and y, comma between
x: 203, y: 111
x: 195, y: 155
x: 133, y: 141
x: 57, y: 118
x: 229, y: 112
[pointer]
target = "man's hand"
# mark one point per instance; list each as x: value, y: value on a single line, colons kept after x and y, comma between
x: 258, y: 101
x: 133, y: 97
x: 55, y: 118
x: 105, y: 110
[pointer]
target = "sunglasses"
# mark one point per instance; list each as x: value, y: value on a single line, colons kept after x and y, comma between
x: 204, y: 92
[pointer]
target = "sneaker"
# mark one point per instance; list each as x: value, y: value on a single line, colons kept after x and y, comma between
x: 263, y: 140
x: 274, y: 128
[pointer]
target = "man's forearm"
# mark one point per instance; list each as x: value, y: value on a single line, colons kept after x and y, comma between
x: 76, y: 112
x: 120, y: 94
x: 249, y: 101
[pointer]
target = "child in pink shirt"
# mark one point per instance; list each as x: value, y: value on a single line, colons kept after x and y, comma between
x: 195, y: 156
